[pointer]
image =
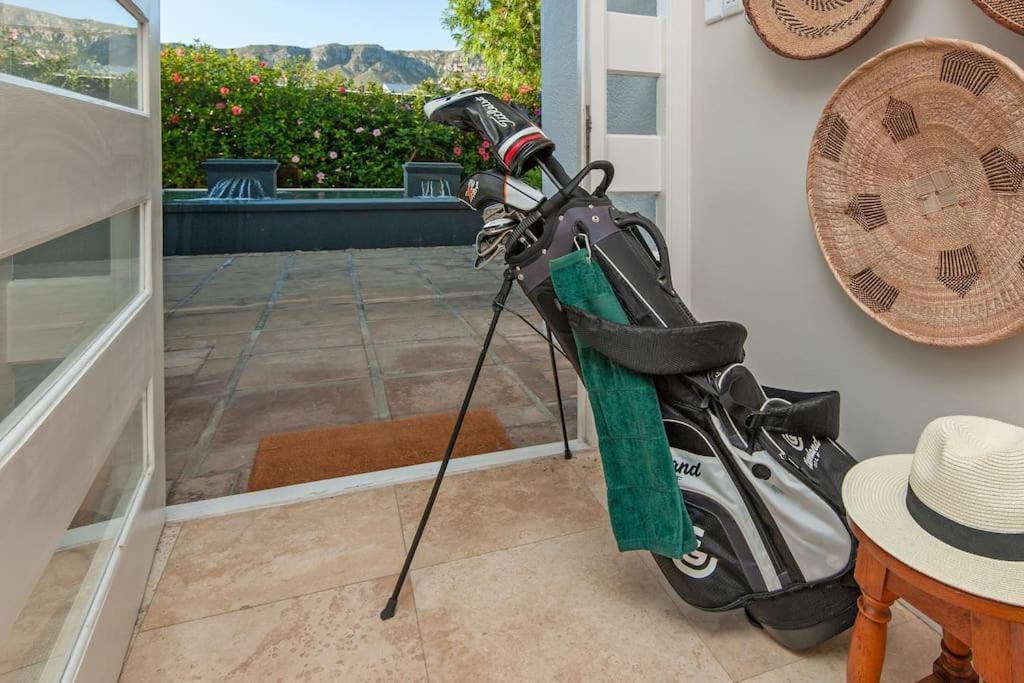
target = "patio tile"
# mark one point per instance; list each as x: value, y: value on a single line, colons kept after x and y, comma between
x: 274, y: 370
x: 413, y: 357
x: 212, y: 379
x: 227, y: 563
x: 316, y: 313
x: 537, y: 376
x: 220, y: 345
x: 508, y: 326
x: 405, y: 309
x: 201, y: 488
x: 185, y: 420
x: 569, y: 608
x: 175, y: 462
x: 333, y: 635
x: 303, y: 338
x: 185, y: 362
x: 391, y: 292
x: 317, y: 289
x: 230, y: 459
x: 529, y: 435
x: 184, y: 324
x: 498, y: 508
x: 911, y: 646
x: 252, y: 416
x: 516, y: 416
x: 443, y: 391
x: 416, y: 329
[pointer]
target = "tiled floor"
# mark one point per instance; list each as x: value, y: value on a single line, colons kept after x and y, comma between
x: 258, y: 344
x: 517, y: 579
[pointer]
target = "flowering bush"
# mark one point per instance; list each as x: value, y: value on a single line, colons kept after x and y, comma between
x: 324, y: 130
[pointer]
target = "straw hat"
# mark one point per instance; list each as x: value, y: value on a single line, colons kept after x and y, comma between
x: 954, y: 509
x: 808, y: 29
x: 1009, y: 13
x: 914, y: 184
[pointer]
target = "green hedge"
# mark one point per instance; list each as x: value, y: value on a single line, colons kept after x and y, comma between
x: 324, y: 131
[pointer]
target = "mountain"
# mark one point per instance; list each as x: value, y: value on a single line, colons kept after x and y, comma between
x: 373, y: 63
x: 83, y: 39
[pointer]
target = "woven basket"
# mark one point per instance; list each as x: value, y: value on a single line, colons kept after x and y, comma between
x: 914, y: 183
x: 809, y: 29
x: 1009, y: 13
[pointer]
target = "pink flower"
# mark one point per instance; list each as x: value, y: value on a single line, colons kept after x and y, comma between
x: 360, y: 129
x: 457, y: 151
x: 296, y: 159
x: 13, y: 33
x: 321, y: 176
x: 485, y: 156
x: 507, y: 98
x: 486, y: 144
x: 332, y: 154
x: 180, y: 52
x: 220, y: 105
x: 174, y: 119
x: 176, y: 77
x: 523, y: 89
x: 342, y: 89
x: 263, y: 65
x: 377, y: 133
x: 254, y: 79
x: 236, y: 110
x: 316, y: 133
x: 224, y: 90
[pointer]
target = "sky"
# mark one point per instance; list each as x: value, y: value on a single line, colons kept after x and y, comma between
x: 395, y: 24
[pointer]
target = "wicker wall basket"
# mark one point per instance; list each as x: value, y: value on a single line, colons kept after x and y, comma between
x: 1009, y: 13
x: 809, y: 29
x: 914, y: 183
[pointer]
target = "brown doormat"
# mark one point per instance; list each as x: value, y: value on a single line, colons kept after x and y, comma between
x: 300, y: 457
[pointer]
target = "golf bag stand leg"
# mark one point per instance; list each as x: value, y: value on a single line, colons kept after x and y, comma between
x: 498, y: 306
x: 558, y: 393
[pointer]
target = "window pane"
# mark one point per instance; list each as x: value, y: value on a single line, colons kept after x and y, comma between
x: 38, y: 645
x: 55, y: 297
x: 646, y: 7
x: 88, y: 46
x: 632, y: 104
x: 643, y: 203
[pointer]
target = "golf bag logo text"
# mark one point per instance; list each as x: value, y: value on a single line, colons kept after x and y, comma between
x: 698, y: 564
x: 493, y: 113
x: 472, y: 187
x: 813, y: 455
x: 687, y: 469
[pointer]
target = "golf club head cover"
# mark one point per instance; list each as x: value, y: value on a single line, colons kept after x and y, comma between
x: 515, y: 139
x: 491, y: 187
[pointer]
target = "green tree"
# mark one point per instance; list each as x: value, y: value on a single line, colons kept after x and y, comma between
x: 504, y: 33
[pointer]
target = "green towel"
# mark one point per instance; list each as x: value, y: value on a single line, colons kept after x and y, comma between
x: 643, y: 497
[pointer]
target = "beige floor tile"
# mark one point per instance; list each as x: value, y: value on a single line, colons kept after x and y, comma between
x: 499, y: 508
x: 332, y: 635
x: 571, y: 608
x: 911, y: 648
x: 587, y: 465
x: 168, y: 537
x: 227, y: 563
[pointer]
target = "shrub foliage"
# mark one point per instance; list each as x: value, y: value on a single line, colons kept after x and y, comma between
x: 324, y: 131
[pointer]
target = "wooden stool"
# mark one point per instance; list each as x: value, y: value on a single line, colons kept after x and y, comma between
x: 993, y: 630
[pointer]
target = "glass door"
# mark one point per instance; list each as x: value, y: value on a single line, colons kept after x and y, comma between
x: 81, y: 389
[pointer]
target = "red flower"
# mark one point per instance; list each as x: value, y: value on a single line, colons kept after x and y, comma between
x: 507, y: 98
x: 457, y: 151
x: 236, y: 110
x: 224, y: 90
x: 220, y: 105
x: 486, y: 144
x: 342, y: 89
x: 254, y: 79
x: 263, y: 65
x: 174, y: 119
x: 176, y: 77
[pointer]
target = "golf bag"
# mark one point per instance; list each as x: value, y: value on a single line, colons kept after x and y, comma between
x: 759, y: 469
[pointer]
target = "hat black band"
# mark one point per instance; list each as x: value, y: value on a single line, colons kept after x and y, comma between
x: 991, y: 544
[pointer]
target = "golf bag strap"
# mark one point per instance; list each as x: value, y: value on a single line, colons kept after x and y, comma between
x: 661, y: 351
x: 810, y: 414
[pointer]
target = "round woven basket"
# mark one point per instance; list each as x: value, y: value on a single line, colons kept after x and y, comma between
x: 1009, y: 13
x: 914, y: 183
x: 809, y: 29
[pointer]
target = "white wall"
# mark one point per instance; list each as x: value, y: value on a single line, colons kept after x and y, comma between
x: 755, y: 258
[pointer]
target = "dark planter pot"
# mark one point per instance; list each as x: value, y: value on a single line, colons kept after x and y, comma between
x: 431, y: 178
x: 263, y: 171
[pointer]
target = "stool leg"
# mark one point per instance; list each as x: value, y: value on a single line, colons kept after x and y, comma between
x: 867, y: 650
x: 954, y: 664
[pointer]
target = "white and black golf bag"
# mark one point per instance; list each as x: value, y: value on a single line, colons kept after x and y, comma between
x: 759, y: 469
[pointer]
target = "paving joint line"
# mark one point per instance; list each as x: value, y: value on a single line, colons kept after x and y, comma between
x: 380, y: 396
x: 205, y: 443
x: 202, y: 283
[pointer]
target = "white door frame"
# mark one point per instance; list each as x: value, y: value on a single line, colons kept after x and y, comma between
x: 68, y: 161
x: 632, y: 44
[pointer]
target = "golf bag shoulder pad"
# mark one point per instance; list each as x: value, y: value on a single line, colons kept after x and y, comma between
x: 775, y: 410
x: 661, y: 351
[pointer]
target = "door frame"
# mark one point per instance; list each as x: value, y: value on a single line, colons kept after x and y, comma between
x: 64, y: 437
